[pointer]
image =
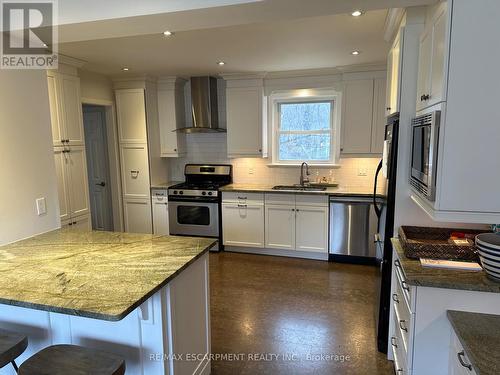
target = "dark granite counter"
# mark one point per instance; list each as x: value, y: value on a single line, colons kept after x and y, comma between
x: 338, y: 191
x: 443, y: 278
x: 479, y: 335
x: 165, y: 185
x: 102, y: 275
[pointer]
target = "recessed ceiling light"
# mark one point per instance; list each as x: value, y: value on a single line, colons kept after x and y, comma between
x: 125, y: 69
x: 220, y: 63
x: 168, y: 33
x: 355, y: 53
x: 357, y: 13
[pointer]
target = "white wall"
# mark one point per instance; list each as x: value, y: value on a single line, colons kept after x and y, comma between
x: 27, y: 162
x: 95, y: 86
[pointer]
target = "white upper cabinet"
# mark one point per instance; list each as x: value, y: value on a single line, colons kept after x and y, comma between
x: 171, y: 111
x: 432, y: 62
x: 363, y: 117
x: 357, y: 116
x: 245, y: 117
x: 131, y: 115
x: 393, y: 79
x: 378, y: 122
x: 65, y: 109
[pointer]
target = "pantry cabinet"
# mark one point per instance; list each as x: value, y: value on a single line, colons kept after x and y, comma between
x: 171, y: 112
x: 246, y: 117
x: 432, y: 62
x: 72, y: 182
x: 65, y: 109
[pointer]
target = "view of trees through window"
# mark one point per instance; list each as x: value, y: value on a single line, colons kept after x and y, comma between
x: 305, y: 131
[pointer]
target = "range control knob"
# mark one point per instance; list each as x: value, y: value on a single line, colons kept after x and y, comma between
x: 175, y: 191
x: 181, y: 192
x: 203, y: 193
x: 209, y: 193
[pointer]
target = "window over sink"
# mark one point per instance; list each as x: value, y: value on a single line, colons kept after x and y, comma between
x: 304, y: 127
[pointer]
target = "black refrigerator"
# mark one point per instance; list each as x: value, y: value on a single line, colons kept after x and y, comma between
x: 385, y: 213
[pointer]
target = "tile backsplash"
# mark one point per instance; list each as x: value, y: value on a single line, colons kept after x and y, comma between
x: 212, y: 148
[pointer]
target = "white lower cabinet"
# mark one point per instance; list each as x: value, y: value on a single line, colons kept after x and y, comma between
x: 459, y: 363
x: 243, y: 224
x: 311, y: 229
x: 159, y: 203
x: 137, y: 215
x: 280, y: 227
x: 278, y: 224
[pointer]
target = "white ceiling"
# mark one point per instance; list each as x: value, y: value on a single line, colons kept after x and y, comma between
x: 249, y: 35
x: 308, y: 43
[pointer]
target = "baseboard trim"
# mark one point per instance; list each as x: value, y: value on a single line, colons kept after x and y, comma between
x: 278, y: 252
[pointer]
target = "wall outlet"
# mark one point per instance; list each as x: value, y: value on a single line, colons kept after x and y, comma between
x: 362, y: 172
x: 41, y: 206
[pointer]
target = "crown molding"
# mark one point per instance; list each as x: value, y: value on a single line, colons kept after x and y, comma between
x: 72, y: 61
x: 392, y: 23
x: 256, y: 75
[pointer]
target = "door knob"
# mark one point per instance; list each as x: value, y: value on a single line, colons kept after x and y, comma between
x: 102, y: 183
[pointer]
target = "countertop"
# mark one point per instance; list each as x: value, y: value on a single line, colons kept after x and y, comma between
x: 165, y: 185
x: 340, y: 190
x: 479, y: 335
x: 417, y: 275
x: 101, y: 275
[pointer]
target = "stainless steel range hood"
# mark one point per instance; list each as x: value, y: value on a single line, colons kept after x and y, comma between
x: 205, y: 111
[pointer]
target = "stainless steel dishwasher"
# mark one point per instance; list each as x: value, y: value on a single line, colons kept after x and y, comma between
x: 353, y: 225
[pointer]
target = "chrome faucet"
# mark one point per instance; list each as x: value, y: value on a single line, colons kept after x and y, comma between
x: 304, y: 180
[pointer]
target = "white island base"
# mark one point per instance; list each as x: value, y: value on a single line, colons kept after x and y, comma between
x: 167, y: 334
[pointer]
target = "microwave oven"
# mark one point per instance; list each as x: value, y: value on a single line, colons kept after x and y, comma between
x: 424, y: 153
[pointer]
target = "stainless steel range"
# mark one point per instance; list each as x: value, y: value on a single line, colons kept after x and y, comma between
x: 194, y: 206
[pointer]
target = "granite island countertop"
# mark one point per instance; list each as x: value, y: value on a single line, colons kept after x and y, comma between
x: 101, y: 275
x: 339, y: 190
x: 417, y: 275
x: 479, y: 335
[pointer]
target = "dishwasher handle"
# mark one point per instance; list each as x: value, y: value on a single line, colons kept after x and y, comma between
x: 352, y: 199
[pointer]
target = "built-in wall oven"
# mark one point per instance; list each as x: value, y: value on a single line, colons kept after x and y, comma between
x: 425, y: 129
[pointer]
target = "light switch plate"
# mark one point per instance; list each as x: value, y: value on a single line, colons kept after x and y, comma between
x: 41, y: 206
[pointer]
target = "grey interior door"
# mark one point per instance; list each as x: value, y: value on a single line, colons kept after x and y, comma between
x: 94, y: 119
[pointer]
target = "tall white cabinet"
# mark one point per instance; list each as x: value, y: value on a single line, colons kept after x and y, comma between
x: 69, y: 149
x: 140, y: 151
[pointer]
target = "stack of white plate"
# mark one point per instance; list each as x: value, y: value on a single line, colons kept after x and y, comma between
x: 488, y: 246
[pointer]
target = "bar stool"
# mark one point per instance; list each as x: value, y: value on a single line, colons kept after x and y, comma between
x: 74, y: 360
x: 12, y: 345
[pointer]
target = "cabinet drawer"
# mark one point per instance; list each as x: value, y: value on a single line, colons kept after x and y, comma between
x: 403, y: 316
x: 312, y: 200
x: 406, y: 290
x: 280, y: 199
x: 459, y: 362
x: 399, y: 352
x: 243, y: 198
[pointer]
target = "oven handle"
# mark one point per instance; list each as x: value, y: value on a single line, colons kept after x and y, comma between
x: 193, y: 199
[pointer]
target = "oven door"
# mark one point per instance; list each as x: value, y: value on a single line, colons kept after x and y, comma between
x: 193, y: 218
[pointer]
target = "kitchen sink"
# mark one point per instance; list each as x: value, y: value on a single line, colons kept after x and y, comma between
x: 299, y: 188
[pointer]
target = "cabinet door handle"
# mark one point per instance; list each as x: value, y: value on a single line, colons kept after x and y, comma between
x: 70, y: 223
x: 402, y: 325
x: 242, y: 206
x: 260, y: 150
x: 400, y: 371
x: 405, y: 286
x: 393, y: 342
x: 460, y: 356
x: 395, y: 298
x: 175, y: 150
x: 242, y: 197
x: 134, y: 174
x: 388, y: 109
x: 102, y: 183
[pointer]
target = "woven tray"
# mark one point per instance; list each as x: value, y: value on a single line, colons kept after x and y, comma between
x: 423, y: 242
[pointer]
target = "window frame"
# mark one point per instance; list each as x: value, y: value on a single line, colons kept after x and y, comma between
x: 306, y: 96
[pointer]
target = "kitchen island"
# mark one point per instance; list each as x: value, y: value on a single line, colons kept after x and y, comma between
x: 143, y: 297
